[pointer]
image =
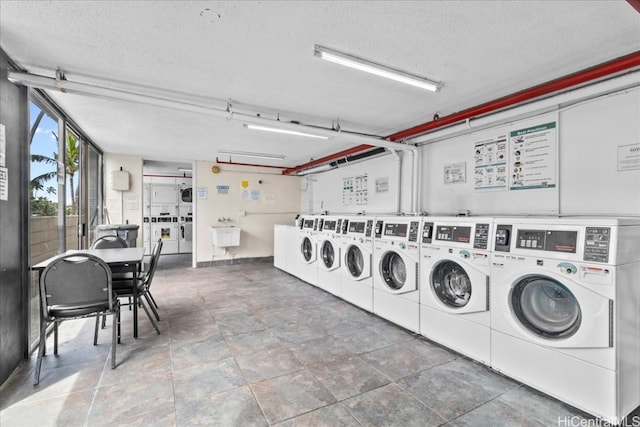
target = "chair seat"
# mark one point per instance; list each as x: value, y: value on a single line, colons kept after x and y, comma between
x: 125, y: 289
x: 71, y: 311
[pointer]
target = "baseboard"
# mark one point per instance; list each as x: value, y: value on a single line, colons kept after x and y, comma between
x: 235, y: 261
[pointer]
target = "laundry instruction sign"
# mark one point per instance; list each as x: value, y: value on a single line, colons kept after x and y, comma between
x: 532, y: 161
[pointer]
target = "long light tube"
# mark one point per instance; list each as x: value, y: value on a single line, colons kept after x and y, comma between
x: 376, y: 69
x: 285, y: 131
x: 255, y: 155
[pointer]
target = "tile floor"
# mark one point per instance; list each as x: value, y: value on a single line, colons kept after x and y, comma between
x: 249, y: 345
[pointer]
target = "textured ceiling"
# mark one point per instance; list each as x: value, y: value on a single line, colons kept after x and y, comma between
x: 259, y: 55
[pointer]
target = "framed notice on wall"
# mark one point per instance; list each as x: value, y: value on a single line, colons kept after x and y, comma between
x: 455, y: 173
x: 490, y: 157
x: 533, y: 157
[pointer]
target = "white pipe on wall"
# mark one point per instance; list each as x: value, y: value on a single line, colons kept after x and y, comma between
x: 200, y: 105
x: 398, y: 180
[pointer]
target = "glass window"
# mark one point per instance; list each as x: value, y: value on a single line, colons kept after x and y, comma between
x: 43, y: 221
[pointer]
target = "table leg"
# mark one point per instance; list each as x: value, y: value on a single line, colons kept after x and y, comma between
x: 134, y: 268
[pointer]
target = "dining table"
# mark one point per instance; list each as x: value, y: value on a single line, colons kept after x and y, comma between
x: 113, y: 257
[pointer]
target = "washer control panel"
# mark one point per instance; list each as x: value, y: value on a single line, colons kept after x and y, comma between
x: 481, y: 237
x: 597, y: 241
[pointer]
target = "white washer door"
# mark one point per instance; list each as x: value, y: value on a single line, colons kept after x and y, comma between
x: 458, y: 290
x: 357, y: 263
x: 557, y: 314
x: 329, y: 255
x: 307, y: 250
x: 398, y: 273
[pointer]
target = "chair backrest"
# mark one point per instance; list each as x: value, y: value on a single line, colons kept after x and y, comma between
x: 153, y: 264
x: 109, y: 242
x: 74, y: 281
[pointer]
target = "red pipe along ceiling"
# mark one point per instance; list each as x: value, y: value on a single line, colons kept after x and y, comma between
x: 618, y: 65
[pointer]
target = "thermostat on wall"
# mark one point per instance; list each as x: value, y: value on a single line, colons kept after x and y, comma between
x: 120, y: 180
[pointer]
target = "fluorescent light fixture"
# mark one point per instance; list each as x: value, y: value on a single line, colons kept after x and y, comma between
x: 285, y: 131
x: 185, y: 170
x: 376, y: 69
x: 255, y: 155
x: 321, y: 168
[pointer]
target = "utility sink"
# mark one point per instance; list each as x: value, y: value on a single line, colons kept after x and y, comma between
x: 225, y: 235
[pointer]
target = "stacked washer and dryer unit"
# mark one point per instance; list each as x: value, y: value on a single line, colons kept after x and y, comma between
x: 565, y: 313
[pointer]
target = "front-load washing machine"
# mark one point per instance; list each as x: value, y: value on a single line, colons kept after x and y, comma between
x: 329, y: 255
x: 355, y: 272
x: 308, y: 249
x: 564, y: 309
x: 454, y: 284
x: 396, y: 256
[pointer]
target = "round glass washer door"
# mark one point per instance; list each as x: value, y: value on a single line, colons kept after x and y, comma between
x: 355, y: 261
x: 328, y: 254
x: 307, y: 249
x: 451, y: 284
x: 393, y: 270
x: 546, y: 307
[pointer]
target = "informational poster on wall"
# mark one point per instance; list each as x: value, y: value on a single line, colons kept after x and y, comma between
x: 348, y: 191
x: 455, y: 173
x: 3, y: 146
x: 490, y: 172
x: 4, y: 184
x: 355, y: 190
x: 382, y: 184
x: 532, y: 162
x: 629, y: 157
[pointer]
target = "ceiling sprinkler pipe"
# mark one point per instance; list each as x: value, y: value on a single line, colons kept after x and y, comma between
x: 606, y: 69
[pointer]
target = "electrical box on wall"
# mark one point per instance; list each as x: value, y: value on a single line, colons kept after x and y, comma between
x: 120, y: 180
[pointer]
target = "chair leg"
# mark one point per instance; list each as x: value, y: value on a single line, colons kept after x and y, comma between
x: 115, y: 337
x: 153, y: 321
x: 152, y: 300
x: 149, y: 301
x: 104, y: 321
x: 55, y: 338
x: 95, y: 333
x: 119, y: 331
x: 41, y: 351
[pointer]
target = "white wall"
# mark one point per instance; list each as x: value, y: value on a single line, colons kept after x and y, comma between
x: 591, y: 134
x: 587, y: 177
x: 443, y: 199
x: 118, y: 209
x: 279, y: 202
x: 324, y: 191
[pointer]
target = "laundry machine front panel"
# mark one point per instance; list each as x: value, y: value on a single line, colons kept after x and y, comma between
x: 549, y: 306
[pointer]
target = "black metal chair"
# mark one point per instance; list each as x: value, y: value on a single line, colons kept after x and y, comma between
x: 72, y: 287
x: 109, y: 242
x: 123, y: 288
